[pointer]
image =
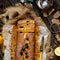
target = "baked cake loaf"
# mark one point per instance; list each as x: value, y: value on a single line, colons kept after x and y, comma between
x: 25, y: 41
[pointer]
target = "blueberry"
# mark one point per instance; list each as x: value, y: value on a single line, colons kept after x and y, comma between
x: 20, y: 32
x: 21, y: 27
x: 21, y: 53
x: 26, y: 55
x: 23, y: 49
x: 27, y: 39
x: 26, y: 45
x: 27, y: 24
x: 27, y: 21
x: 11, y: 57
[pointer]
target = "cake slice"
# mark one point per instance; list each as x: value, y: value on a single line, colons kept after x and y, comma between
x: 25, y: 42
x: 7, y: 41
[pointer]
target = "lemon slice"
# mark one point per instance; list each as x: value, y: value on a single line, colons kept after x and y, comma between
x: 57, y: 51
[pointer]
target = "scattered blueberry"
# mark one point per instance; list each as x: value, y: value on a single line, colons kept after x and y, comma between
x: 26, y: 45
x: 21, y: 27
x: 27, y: 39
x: 26, y: 55
x: 27, y: 21
x: 27, y: 24
x: 23, y: 49
x: 21, y: 53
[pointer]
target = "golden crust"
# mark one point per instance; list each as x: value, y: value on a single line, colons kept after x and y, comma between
x: 26, y: 25
x: 13, y: 43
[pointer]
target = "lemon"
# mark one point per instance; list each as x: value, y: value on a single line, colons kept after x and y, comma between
x: 57, y: 51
